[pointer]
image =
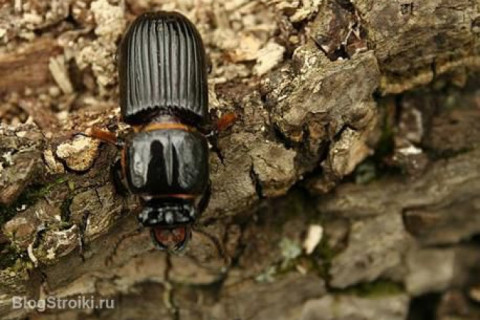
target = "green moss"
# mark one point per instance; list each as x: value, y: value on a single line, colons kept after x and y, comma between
x: 318, y: 262
x: 9, y: 256
x: 386, y: 144
x: 289, y: 249
x: 325, y: 255
x: 376, y: 166
x: 27, y: 198
x: 292, y: 205
x: 267, y: 275
x: 291, y: 253
x: 19, y: 268
x: 375, y: 289
x: 365, y: 172
x: 65, y: 208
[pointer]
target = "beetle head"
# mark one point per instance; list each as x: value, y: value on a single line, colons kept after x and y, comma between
x: 171, y: 239
x: 167, y: 214
x: 170, y: 223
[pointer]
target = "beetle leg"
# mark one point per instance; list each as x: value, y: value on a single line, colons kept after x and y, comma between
x: 202, y: 205
x: 118, y: 177
x: 226, y: 121
x: 219, y: 125
x: 110, y: 259
x: 213, y: 140
x: 104, y: 135
x: 216, y: 242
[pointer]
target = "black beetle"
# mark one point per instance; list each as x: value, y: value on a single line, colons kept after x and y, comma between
x: 164, y: 97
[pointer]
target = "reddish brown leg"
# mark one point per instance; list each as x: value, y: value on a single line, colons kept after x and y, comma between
x: 226, y: 121
x: 221, y: 124
x: 103, y: 135
x: 119, y: 166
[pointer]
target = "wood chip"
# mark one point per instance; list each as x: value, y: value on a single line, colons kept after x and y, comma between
x: 268, y: 58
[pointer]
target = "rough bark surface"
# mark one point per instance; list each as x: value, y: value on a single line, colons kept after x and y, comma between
x: 350, y: 182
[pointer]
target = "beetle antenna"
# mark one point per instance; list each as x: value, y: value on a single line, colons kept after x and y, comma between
x: 219, y: 246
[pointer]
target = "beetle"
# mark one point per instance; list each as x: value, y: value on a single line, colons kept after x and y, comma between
x: 164, y: 98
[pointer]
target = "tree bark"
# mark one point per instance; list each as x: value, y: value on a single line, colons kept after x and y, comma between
x: 357, y: 136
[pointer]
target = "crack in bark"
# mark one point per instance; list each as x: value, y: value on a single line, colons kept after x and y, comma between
x: 169, y: 297
x: 256, y: 182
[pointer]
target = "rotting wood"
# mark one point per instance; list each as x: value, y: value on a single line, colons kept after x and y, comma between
x: 315, y: 115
